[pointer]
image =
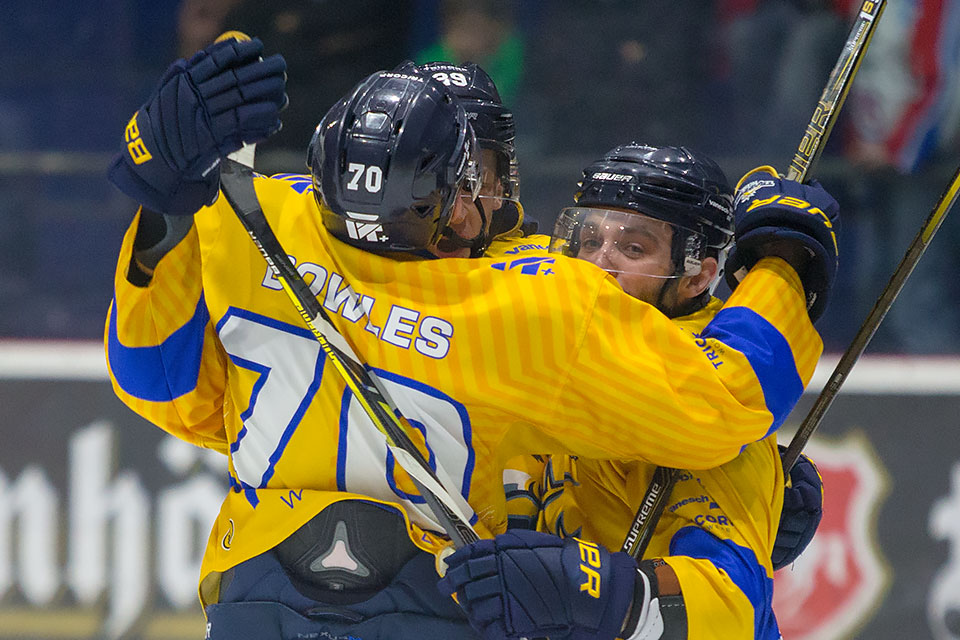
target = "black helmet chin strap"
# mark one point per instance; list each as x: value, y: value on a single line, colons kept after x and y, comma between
x: 451, y: 240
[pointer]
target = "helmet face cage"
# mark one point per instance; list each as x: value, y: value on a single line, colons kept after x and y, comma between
x: 628, y: 242
x: 389, y: 160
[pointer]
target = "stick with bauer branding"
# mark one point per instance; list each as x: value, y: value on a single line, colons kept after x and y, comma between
x: 814, y: 138
x: 236, y: 182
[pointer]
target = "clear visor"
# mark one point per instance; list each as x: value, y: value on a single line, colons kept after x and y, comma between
x: 497, y: 196
x: 627, y: 242
x: 470, y: 177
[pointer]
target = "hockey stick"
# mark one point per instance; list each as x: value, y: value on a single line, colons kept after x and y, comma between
x: 870, y: 325
x: 814, y: 139
x: 835, y: 92
x: 236, y: 182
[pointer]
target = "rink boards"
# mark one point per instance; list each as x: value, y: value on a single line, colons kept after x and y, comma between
x: 103, y: 518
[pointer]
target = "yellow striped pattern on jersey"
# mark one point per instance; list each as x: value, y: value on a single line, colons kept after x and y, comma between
x: 717, y: 531
x: 489, y: 358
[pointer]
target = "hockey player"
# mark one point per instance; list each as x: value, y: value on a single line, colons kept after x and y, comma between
x: 709, y: 572
x: 322, y: 533
x: 495, y: 130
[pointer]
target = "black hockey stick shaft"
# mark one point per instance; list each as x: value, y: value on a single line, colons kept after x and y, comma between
x: 236, y: 182
x: 811, y: 145
x: 836, y: 89
x: 650, y: 510
x: 870, y: 325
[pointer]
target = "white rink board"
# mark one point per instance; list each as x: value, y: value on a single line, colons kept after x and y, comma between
x: 873, y: 374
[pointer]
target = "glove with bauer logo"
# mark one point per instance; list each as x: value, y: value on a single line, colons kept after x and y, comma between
x: 769, y: 208
x: 802, y: 511
x: 530, y: 584
x: 202, y: 109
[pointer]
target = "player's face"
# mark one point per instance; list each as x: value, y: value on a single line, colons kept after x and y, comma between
x: 466, y: 222
x: 634, y: 249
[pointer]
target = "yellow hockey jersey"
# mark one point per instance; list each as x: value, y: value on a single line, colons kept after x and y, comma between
x: 717, y: 530
x: 488, y: 358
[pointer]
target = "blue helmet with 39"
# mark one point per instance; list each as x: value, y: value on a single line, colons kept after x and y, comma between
x: 494, y: 126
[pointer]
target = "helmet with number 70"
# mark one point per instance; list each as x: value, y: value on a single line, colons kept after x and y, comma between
x: 676, y: 186
x: 494, y: 126
x: 390, y: 160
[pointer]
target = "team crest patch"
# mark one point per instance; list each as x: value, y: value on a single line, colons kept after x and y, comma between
x: 834, y: 587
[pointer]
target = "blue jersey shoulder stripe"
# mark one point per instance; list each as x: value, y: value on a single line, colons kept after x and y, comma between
x: 741, y: 565
x: 763, y: 345
x: 163, y: 372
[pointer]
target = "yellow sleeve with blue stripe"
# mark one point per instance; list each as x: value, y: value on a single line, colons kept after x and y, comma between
x: 162, y: 353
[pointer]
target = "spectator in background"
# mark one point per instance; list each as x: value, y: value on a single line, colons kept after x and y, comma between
x: 481, y: 31
x: 777, y: 57
x: 903, y: 116
x: 327, y: 44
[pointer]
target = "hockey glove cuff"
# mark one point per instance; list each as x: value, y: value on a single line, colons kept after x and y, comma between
x: 530, y: 584
x: 802, y: 512
x: 202, y: 109
x: 769, y: 208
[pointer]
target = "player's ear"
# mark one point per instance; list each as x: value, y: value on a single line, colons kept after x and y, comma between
x: 693, y: 286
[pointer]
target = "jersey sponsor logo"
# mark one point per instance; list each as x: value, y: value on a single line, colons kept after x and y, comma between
x: 943, y: 603
x: 589, y: 563
x: 531, y: 265
x: 135, y: 145
x: 299, y: 182
x: 841, y: 578
x: 708, y: 350
x: 525, y: 247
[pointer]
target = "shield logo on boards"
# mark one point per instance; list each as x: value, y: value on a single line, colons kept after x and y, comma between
x: 835, y: 586
x: 943, y: 603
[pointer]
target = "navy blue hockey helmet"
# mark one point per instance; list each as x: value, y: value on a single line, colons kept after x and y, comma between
x: 494, y: 126
x: 676, y: 185
x: 388, y: 161
x: 673, y: 184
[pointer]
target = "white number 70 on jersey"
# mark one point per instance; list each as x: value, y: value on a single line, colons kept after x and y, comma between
x: 290, y: 365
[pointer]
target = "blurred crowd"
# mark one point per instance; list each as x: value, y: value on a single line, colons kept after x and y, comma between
x: 737, y: 79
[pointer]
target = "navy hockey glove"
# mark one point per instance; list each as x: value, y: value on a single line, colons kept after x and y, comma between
x: 802, y: 511
x: 530, y: 584
x: 203, y: 109
x: 770, y: 208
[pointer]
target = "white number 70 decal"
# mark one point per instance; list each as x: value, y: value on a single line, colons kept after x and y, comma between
x: 374, y: 177
x: 290, y: 365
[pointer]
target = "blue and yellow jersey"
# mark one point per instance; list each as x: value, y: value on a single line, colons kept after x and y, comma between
x: 489, y: 359
x: 716, y: 533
